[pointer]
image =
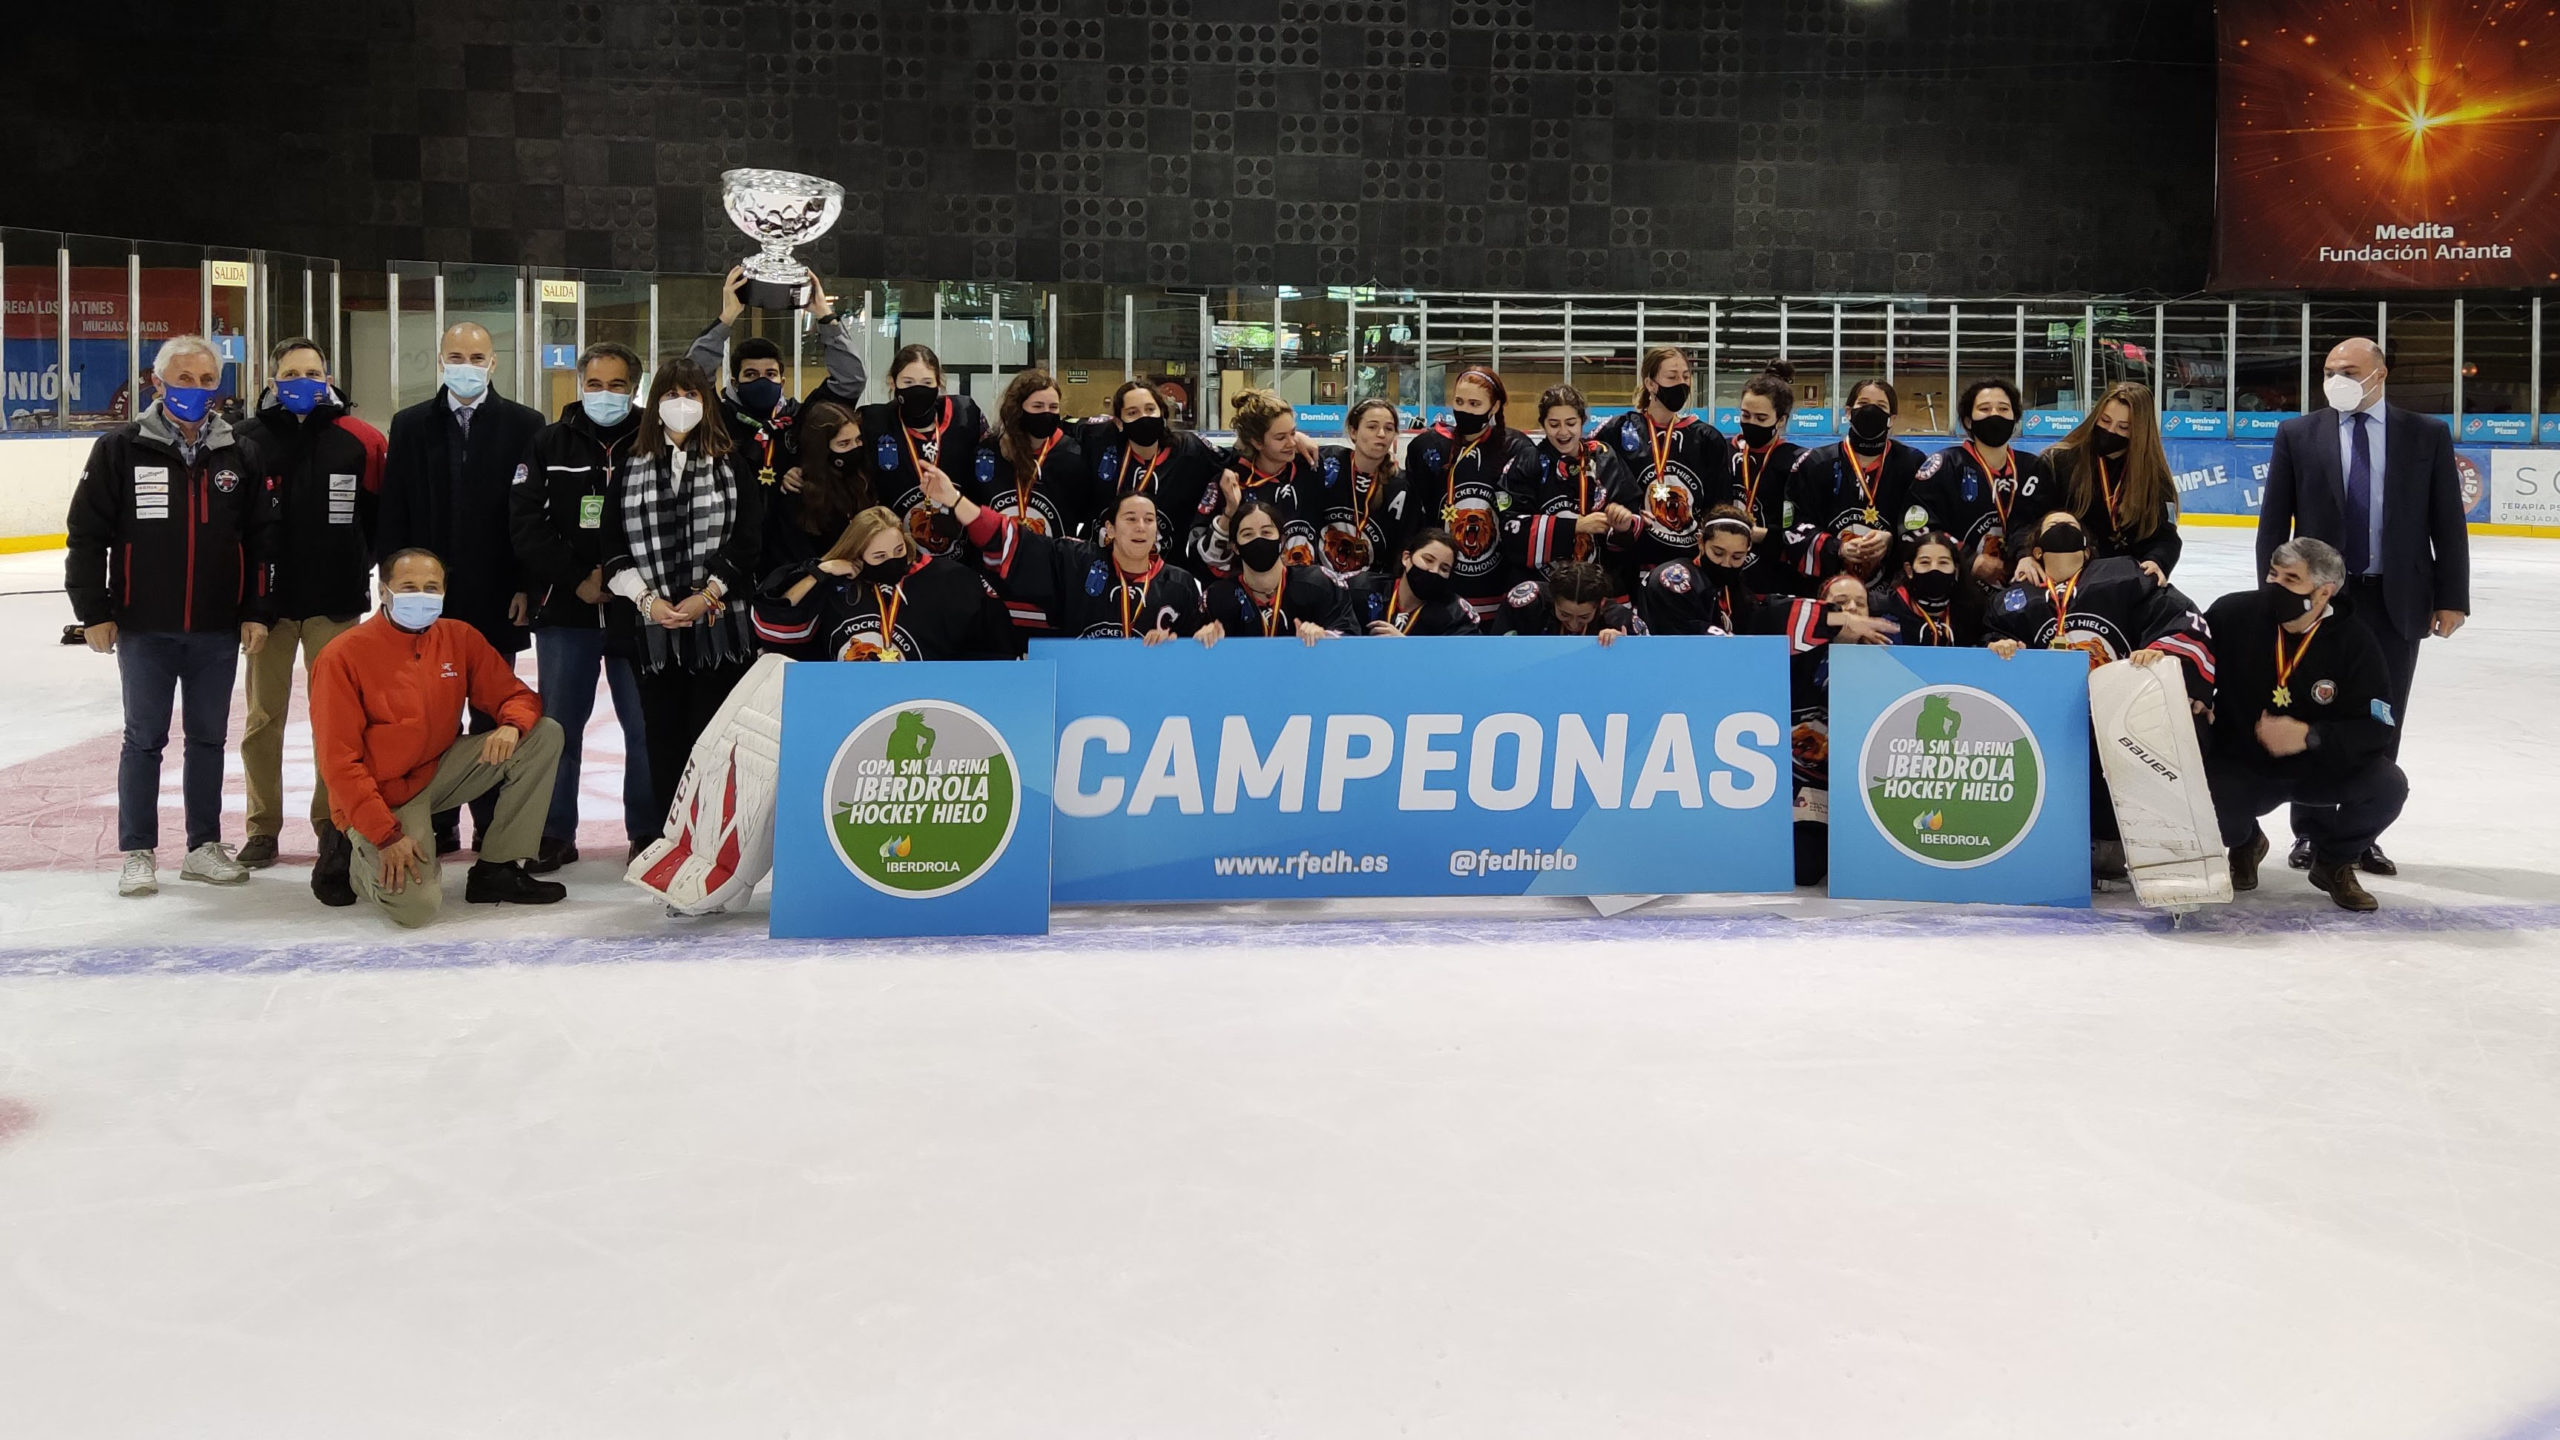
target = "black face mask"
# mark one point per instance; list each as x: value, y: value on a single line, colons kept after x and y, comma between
x: 1468, y: 422
x: 1261, y: 553
x: 760, y: 397
x: 1674, y: 398
x: 2063, y: 539
x: 1932, y: 587
x: 1145, y: 430
x: 916, y: 403
x: 1756, y: 436
x: 1869, y: 428
x: 1428, y: 586
x: 1040, y: 424
x: 1994, y: 430
x: 2110, y: 444
x: 1728, y: 577
x: 887, y: 572
x: 2286, y: 605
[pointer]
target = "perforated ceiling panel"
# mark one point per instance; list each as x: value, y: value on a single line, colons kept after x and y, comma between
x: 1906, y: 145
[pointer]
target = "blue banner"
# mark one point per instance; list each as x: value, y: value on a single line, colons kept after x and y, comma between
x: 2049, y: 424
x: 914, y: 800
x: 1959, y: 776
x: 1270, y: 770
x: 2496, y: 430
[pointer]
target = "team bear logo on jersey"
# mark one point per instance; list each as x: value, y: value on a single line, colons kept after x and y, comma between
x: 1471, y: 524
x: 931, y: 529
x: 1346, y: 550
x: 1669, y: 504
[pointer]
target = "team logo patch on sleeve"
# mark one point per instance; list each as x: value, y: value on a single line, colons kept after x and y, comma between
x: 1627, y: 440
x: 2014, y: 599
x: 986, y: 466
x: 2382, y: 712
x: 226, y: 481
x: 1096, y: 580
x: 522, y: 473
x: 1677, y: 579
x: 1916, y: 518
x: 1522, y: 596
x: 886, y: 452
x: 1930, y: 466
x: 2324, y: 692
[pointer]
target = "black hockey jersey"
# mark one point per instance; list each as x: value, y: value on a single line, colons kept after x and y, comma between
x: 1080, y: 587
x: 1550, y: 493
x: 1833, y: 490
x: 1357, y: 515
x: 1682, y: 471
x: 938, y: 610
x: 1290, y: 490
x: 957, y: 443
x: 2107, y: 611
x: 1306, y: 594
x: 1180, y: 471
x: 1457, y: 484
x: 1760, y: 487
x: 1993, y: 513
x: 1373, y: 598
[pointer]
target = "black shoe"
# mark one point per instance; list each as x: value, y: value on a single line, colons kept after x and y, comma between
x: 491, y: 883
x: 258, y: 853
x: 329, y: 883
x: 551, y: 856
x: 448, y: 842
x: 2300, y: 859
x: 2343, y: 886
x: 2245, y: 861
x: 2371, y: 862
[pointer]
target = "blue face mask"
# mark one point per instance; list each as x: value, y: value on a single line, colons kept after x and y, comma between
x: 760, y: 397
x: 187, y: 404
x: 605, y: 407
x: 415, y: 609
x: 466, y: 381
x: 301, y: 396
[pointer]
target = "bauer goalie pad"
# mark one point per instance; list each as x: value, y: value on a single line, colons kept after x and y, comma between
x: 719, y: 838
x: 2154, y: 765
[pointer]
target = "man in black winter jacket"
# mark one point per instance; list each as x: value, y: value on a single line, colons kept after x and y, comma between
x: 170, y: 569
x: 323, y: 472
x: 2304, y: 712
x: 563, y: 504
x: 445, y: 487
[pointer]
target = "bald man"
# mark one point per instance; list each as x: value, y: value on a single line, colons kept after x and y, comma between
x: 2380, y: 485
x: 452, y: 461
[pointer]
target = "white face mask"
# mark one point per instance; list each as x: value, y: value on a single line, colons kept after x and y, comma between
x: 2344, y: 393
x: 679, y: 413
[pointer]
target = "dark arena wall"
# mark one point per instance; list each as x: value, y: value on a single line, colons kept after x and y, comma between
x: 1908, y: 146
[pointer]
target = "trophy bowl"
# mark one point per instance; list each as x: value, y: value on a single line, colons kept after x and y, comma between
x: 778, y: 209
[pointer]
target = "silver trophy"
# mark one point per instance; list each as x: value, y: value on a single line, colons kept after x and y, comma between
x: 778, y: 209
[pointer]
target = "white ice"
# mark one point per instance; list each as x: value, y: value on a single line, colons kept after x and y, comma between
x: 1754, y: 1168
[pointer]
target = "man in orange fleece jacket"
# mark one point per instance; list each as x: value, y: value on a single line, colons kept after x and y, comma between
x: 387, y: 699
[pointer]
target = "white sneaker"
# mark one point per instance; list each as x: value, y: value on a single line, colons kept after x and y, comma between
x: 211, y: 863
x: 141, y: 874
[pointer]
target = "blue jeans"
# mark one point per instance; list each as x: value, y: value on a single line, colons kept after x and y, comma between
x: 159, y: 668
x: 567, y: 658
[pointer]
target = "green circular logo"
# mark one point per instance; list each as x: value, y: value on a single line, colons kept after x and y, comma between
x: 1952, y: 776
x: 922, y: 799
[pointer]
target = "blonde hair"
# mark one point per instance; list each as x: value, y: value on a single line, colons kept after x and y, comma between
x: 860, y: 530
x: 1256, y: 410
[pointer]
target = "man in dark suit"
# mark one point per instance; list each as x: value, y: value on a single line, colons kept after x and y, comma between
x: 452, y: 461
x: 2380, y: 484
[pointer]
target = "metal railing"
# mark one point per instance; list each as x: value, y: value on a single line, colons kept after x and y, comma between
x: 83, y: 314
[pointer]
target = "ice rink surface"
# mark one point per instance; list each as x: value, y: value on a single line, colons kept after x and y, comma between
x: 1763, y: 1168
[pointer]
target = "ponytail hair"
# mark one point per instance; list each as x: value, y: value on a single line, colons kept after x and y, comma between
x: 1256, y: 412
x: 1774, y: 382
x: 1490, y: 383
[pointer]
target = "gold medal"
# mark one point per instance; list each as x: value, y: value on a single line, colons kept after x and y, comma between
x: 2284, y: 696
x: 888, y: 653
x: 765, y: 476
x: 1873, y: 516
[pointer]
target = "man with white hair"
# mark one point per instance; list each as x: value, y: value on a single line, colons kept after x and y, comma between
x: 2302, y: 714
x: 171, y: 571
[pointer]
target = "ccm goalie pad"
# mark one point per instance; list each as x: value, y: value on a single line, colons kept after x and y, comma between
x: 719, y: 839
x: 2148, y: 749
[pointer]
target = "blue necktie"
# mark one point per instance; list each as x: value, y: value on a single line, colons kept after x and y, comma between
x: 2359, y: 546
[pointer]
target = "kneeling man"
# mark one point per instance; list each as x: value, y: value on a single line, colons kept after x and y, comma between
x: 387, y: 700
x: 2302, y: 715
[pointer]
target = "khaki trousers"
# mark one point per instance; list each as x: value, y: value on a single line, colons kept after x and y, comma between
x: 524, y: 794
x: 270, y: 696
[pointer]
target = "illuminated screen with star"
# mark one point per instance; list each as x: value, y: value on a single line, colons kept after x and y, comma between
x: 2371, y: 144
